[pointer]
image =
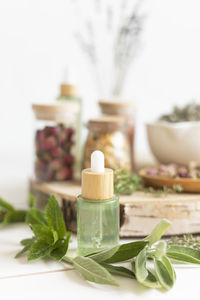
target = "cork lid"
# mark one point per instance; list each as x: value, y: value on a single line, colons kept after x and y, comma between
x: 58, y: 112
x: 117, y: 107
x: 106, y: 123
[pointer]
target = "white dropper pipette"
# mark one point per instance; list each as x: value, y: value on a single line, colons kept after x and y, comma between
x: 97, y: 162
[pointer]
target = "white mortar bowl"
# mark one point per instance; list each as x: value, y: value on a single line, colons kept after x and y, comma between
x: 175, y: 142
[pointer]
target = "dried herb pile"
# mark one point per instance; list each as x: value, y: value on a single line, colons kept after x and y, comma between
x: 190, y: 112
x: 149, y: 260
x: 127, y: 184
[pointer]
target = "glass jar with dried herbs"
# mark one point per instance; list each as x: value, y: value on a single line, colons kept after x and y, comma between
x: 127, y: 110
x: 56, y: 141
x: 108, y: 134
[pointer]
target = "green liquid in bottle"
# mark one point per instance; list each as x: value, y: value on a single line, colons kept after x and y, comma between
x: 97, y: 224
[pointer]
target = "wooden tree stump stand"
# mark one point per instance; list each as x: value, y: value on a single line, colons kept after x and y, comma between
x: 139, y: 213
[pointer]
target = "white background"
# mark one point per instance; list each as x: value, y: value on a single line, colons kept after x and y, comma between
x: 36, y: 44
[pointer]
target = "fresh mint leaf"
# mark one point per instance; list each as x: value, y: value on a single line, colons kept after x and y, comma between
x: 60, y: 248
x: 7, y: 206
x: 6, y: 219
x: 31, y: 201
x: 163, y: 275
x: 55, y: 217
x: 158, y: 231
x: 92, y: 271
x: 184, y: 254
x: 118, y: 270
x: 35, y: 216
x: 27, y: 244
x: 38, y: 250
x: 17, y: 216
x: 43, y: 233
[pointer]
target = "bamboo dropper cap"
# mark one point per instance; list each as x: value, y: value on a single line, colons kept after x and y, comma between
x: 69, y: 90
x: 97, y: 182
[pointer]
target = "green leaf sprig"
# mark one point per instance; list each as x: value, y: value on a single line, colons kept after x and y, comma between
x: 50, y: 235
x: 125, y: 183
x: 150, y: 260
x: 8, y: 214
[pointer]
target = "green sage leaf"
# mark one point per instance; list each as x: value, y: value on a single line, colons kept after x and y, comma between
x: 38, y: 250
x: 160, y: 249
x: 150, y: 281
x: 35, y: 216
x: 158, y: 231
x: 104, y: 255
x: 163, y: 274
x: 184, y: 254
x: 60, y: 248
x: 118, y: 270
x: 92, y: 271
x: 169, y: 268
x: 55, y: 217
x: 140, y: 266
x: 119, y: 253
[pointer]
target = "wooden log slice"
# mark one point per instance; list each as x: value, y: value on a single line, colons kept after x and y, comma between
x: 139, y: 213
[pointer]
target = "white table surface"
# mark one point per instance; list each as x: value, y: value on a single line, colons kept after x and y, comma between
x: 45, y: 279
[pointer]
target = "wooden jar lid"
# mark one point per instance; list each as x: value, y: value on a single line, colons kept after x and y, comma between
x: 117, y: 107
x: 97, y: 186
x: 59, y: 112
x: 106, y: 123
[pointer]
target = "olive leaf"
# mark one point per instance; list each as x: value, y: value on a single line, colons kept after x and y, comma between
x: 184, y: 254
x: 92, y: 271
x: 158, y: 231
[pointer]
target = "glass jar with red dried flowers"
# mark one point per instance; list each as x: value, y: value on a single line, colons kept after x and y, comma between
x: 56, y: 142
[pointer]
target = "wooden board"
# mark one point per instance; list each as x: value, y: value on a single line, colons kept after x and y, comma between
x: 139, y: 213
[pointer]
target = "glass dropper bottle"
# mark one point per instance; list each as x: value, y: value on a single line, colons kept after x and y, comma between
x: 97, y: 208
